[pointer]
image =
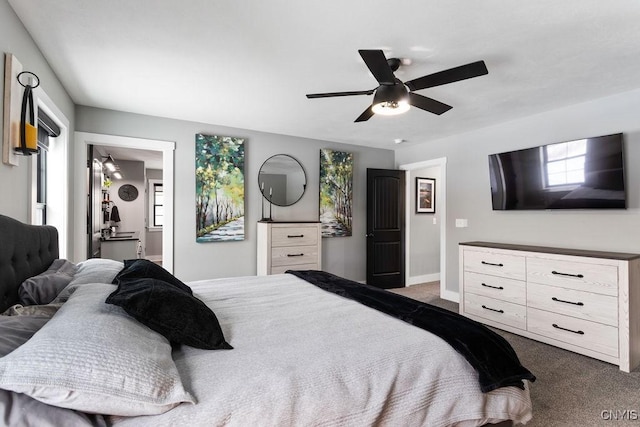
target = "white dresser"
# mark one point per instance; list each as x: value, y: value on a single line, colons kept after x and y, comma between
x: 286, y: 246
x: 584, y: 301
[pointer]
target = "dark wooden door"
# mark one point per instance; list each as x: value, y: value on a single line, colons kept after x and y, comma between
x: 385, y: 228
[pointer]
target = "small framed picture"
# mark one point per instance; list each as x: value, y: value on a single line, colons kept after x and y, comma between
x: 425, y: 195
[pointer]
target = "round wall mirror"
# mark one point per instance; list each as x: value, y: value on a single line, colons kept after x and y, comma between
x: 282, y: 180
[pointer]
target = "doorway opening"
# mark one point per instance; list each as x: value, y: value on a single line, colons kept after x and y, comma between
x: 111, y: 142
x: 441, y: 205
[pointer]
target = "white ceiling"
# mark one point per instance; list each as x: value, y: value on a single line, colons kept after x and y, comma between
x: 248, y: 64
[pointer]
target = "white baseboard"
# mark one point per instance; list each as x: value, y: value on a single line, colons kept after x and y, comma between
x: 425, y: 278
x: 450, y: 296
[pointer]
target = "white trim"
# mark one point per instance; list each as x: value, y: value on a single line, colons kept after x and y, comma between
x: 452, y: 296
x: 425, y: 278
x: 58, y: 201
x: 167, y: 148
x: 442, y: 208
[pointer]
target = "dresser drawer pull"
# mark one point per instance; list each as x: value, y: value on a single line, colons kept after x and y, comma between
x: 569, y: 330
x: 567, y: 302
x: 580, y: 276
x: 492, y: 309
x: 492, y: 287
x: 491, y: 263
x: 291, y: 236
x: 295, y: 254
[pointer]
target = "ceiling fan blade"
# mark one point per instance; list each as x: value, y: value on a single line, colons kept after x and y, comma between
x: 377, y: 63
x: 366, y: 115
x: 428, y: 104
x: 463, y: 72
x: 330, y: 94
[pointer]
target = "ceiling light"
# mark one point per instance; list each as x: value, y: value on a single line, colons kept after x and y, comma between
x: 399, y: 140
x: 390, y: 100
x: 109, y: 163
x: 117, y: 175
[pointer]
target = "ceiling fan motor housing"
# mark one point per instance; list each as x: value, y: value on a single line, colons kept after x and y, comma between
x: 391, y: 93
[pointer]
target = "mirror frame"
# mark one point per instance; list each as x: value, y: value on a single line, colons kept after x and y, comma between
x: 294, y: 169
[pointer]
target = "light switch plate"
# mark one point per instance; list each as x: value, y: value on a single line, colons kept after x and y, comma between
x: 462, y: 223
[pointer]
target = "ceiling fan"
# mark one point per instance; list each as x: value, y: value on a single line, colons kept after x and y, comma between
x: 395, y: 97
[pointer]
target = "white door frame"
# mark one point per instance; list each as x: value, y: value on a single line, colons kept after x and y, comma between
x: 442, y: 207
x: 83, y: 139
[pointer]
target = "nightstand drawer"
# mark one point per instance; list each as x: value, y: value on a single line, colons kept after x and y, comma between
x: 584, y: 305
x: 598, y: 278
x: 582, y: 333
x: 294, y: 236
x: 296, y: 255
x: 499, y: 311
x: 495, y: 264
x: 495, y: 287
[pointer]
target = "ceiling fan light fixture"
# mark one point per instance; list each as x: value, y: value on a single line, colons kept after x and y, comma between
x: 391, y: 108
x: 391, y: 100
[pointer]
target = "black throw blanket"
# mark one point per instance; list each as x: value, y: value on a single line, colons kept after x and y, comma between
x: 491, y: 355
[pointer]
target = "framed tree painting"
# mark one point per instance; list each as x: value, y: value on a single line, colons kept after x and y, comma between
x: 425, y: 195
x: 336, y: 193
x: 219, y: 188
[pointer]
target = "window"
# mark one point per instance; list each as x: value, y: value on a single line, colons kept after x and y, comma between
x: 47, y: 129
x: 156, y: 204
x: 565, y: 163
x: 40, y: 206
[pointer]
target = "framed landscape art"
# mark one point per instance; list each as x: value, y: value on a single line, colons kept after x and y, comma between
x: 219, y: 188
x: 425, y: 195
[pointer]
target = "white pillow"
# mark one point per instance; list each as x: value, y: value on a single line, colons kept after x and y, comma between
x: 93, y: 357
x: 96, y: 270
x: 93, y: 270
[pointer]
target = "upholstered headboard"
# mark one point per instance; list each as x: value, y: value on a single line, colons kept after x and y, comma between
x: 25, y: 251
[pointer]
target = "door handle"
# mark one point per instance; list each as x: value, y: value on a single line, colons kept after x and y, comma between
x: 368, y: 235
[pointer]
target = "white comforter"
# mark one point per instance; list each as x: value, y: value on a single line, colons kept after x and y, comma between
x: 305, y: 357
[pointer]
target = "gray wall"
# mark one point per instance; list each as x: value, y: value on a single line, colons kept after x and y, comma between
x: 344, y: 256
x: 131, y: 212
x: 469, y: 195
x: 424, y: 234
x: 14, y: 180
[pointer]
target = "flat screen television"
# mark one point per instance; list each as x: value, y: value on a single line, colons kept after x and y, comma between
x: 582, y: 174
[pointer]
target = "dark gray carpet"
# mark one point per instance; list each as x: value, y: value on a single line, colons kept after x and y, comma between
x: 570, y: 390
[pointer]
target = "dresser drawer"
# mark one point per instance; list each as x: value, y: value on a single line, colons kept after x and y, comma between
x: 499, y: 311
x: 582, y: 333
x: 495, y: 287
x: 495, y: 264
x: 294, y: 236
x: 295, y: 255
x: 598, y: 278
x: 584, y: 305
x: 281, y: 269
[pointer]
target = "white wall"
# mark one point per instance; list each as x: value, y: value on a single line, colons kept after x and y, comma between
x: 469, y: 195
x: 344, y: 256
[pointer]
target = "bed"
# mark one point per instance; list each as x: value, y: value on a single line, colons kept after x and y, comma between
x: 284, y: 351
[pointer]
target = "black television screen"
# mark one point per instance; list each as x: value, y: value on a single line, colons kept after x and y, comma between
x: 582, y: 174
